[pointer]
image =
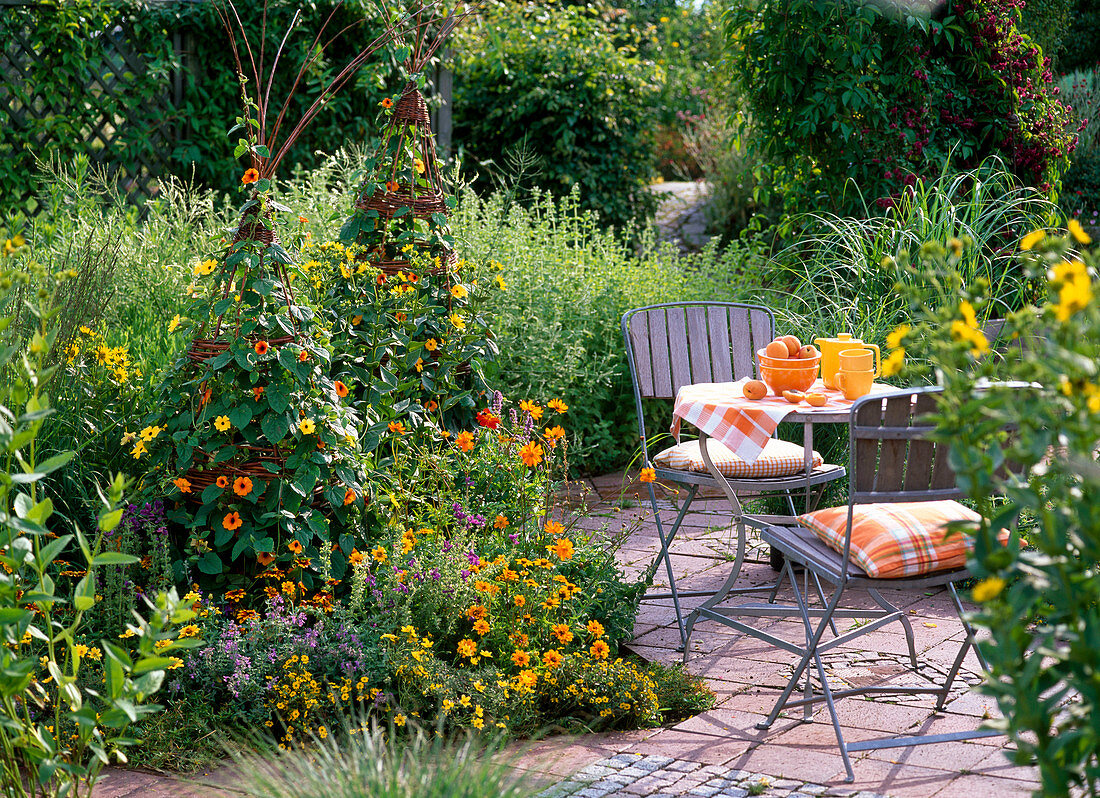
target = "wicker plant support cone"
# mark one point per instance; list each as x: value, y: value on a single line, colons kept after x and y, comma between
x: 422, y: 201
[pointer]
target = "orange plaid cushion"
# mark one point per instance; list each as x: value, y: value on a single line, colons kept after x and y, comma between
x: 891, y: 541
x: 779, y: 459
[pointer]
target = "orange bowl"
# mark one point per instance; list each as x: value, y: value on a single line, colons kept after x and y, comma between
x: 788, y: 374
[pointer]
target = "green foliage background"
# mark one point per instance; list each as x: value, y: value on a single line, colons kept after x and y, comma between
x: 569, y: 86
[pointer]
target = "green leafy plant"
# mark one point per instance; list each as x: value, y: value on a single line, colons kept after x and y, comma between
x: 852, y: 102
x: 1038, y: 595
x: 564, y: 79
x: 56, y: 732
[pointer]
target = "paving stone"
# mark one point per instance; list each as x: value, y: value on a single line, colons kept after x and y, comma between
x: 659, y: 761
x: 647, y: 765
x: 703, y: 790
x: 683, y: 766
x: 596, y: 771
x: 622, y: 760
x: 634, y: 770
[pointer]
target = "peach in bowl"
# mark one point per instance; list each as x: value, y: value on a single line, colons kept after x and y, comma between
x: 789, y: 373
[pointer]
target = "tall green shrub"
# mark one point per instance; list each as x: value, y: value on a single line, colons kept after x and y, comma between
x: 564, y: 84
x: 853, y: 104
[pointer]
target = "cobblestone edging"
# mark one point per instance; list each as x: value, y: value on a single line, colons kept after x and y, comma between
x: 663, y: 777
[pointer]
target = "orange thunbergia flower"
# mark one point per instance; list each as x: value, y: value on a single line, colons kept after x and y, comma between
x: 295, y: 546
x: 599, y: 650
x: 397, y: 427
x: 431, y: 405
x: 465, y: 441
x: 563, y: 548
x: 558, y: 405
x: 501, y: 522
x: 379, y: 280
x: 647, y: 475
x: 261, y: 347
x: 392, y: 186
x: 205, y: 396
x: 349, y: 496
x: 303, y: 356
x: 386, y: 102
x: 341, y: 389
x: 250, y: 176
x: 307, y: 426
x: 222, y: 482
x: 183, y: 484
x: 431, y: 344
x: 257, y: 392
x: 265, y: 557
x: 242, y: 486
x: 531, y: 454
x: 232, y: 521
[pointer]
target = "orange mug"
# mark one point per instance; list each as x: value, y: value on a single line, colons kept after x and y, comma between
x: 858, y: 360
x: 854, y: 384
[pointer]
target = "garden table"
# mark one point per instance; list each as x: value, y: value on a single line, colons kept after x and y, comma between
x: 721, y: 411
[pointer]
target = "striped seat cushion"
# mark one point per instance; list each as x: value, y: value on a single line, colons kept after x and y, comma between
x: 891, y: 541
x: 779, y: 459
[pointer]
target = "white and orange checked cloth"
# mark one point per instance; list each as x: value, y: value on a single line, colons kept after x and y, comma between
x: 742, y: 425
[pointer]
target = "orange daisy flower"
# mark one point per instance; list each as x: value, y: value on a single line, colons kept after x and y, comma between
x: 465, y: 441
x: 242, y: 486
x: 397, y: 427
x: 647, y: 475
x: 232, y: 521
x: 250, y: 176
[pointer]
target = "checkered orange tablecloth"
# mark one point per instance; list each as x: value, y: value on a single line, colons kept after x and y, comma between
x: 744, y: 426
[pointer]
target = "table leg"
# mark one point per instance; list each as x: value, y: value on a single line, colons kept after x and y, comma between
x: 735, y: 503
x: 808, y: 447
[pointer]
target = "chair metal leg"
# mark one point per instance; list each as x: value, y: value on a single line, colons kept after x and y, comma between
x: 666, y: 541
x: 821, y: 598
x: 967, y: 644
x: 906, y: 625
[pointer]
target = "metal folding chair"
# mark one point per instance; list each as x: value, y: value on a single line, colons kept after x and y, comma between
x: 891, y: 460
x: 672, y: 345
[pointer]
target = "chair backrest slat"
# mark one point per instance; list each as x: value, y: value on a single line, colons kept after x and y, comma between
x: 699, y: 342
x: 922, y: 452
x: 890, y: 474
x: 658, y: 347
x: 678, y: 349
x: 642, y: 353
x: 721, y: 345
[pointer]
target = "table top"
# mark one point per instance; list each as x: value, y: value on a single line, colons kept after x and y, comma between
x: 722, y: 411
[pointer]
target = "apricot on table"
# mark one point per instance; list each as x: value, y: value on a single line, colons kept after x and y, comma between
x: 755, y: 389
x: 794, y: 397
x: 816, y: 399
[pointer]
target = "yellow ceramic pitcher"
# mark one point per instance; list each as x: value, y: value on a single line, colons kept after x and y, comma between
x: 830, y: 355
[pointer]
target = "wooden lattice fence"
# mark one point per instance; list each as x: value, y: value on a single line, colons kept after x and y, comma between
x: 111, y: 103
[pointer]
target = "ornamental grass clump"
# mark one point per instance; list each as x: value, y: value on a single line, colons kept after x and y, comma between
x: 1039, y: 596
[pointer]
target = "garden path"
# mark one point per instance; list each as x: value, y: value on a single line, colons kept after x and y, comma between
x: 720, y: 752
x: 681, y: 213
